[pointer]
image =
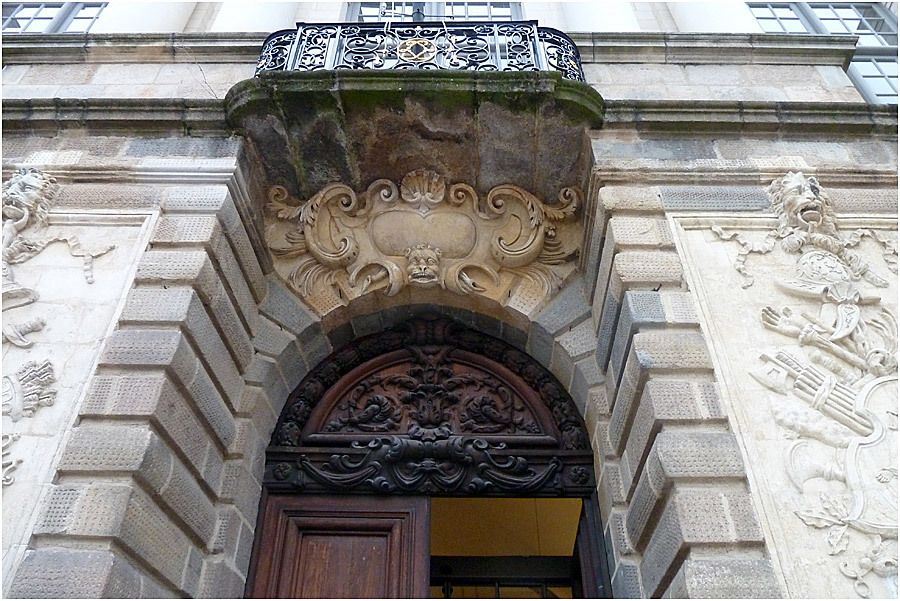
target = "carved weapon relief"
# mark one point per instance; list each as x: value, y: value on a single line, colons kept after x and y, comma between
x: 27, y: 199
x: 424, y: 233
x: 837, y: 381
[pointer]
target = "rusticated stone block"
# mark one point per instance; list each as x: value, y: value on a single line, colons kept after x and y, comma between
x: 123, y: 513
x: 193, y: 268
x: 569, y: 348
x: 280, y: 345
x: 568, y: 307
x: 217, y: 199
x: 607, y: 317
x: 724, y: 579
x: 697, y: 516
x: 153, y: 396
x: 626, y: 581
x: 55, y: 572
x: 631, y: 198
x: 671, y: 351
x: 263, y: 372
x: 220, y: 581
x: 169, y: 350
x: 284, y: 308
x: 182, y: 307
x: 677, y: 455
x: 666, y: 401
x: 644, y: 269
x: 609, y: 488
x: 641, y: 232
x: 587, y: 378
x: 679, y: 308
x: 640, y: 309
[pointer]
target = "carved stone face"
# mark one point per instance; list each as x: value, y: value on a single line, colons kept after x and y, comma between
x: 26, y: 190
x: 423, y: 265
x: 802, y: 204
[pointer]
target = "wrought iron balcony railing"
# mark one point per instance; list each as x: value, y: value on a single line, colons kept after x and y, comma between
x: 465, y: 46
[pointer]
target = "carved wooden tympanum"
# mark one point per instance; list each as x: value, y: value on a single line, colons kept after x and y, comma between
x: 431, y: 407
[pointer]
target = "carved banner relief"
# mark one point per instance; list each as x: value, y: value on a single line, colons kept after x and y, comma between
x: 801, y: 311
x: 64, y: 275
x: 424, y: 233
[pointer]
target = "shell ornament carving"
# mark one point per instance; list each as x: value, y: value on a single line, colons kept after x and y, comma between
x: 424, y: 233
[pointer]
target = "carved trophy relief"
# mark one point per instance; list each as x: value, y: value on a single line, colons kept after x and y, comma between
x: 835, y: 378
x: 27, y: 198
x: 24, y: 393
x: 424, y: 233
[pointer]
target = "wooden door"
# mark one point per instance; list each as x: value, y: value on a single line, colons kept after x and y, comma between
x: 342, y: 547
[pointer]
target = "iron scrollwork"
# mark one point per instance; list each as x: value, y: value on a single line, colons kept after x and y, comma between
x: 468, y: 46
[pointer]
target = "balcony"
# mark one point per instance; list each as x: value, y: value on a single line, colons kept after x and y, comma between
x: 459, y: 46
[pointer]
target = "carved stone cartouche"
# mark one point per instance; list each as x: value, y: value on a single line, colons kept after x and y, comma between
x: 424, y: 233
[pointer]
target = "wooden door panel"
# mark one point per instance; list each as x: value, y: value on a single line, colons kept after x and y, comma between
x: 342, y: 547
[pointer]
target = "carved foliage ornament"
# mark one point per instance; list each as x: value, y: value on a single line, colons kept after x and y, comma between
x: 423, y: 233
x: 837, y: 382
x: 421, y: 409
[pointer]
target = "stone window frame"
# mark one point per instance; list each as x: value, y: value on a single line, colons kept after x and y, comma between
x: 437, y: 11
x: 61, y: 22
x: 881, y: 56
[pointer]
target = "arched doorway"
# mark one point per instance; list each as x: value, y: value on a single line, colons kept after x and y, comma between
x: 428, y: 408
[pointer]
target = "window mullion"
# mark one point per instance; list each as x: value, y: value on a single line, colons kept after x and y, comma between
x: 63, y: 17
x: 809, y: 18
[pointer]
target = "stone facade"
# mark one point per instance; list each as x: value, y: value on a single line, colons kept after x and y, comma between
x: 140, y: 404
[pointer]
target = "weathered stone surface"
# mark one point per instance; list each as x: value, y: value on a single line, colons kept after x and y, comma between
x: 663, y: 402
x: 153, y: 396
x: 219, y: 580
x: 626, y: 581
x: 123, y: 513
x: 701, y: 516
x: 182, y: 307
x: 678, y: 455
x: 631, y: 198
x: 55, y: 572
x: 169, y: 349
x: 724, y: 578
x: 284, y: 308
x: 644, y: 269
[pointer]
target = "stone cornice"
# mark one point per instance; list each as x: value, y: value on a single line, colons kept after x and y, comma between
x: 694, y: 116
x: 132, y: 48
x: 208, y: 116
x: 49, y: 115
x: 630, y: 47
x: 715, y: 48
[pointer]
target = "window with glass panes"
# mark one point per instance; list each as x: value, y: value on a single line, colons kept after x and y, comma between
x: 434, y: 11
x: 873, y: 68
x: 50, y: 17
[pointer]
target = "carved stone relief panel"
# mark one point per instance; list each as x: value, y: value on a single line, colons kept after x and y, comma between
x: 423, y: 232
x: 64, y: 275
x: 811, y: 297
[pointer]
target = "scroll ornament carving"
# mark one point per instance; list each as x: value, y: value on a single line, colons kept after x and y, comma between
x: 424, y: 233
x: 429, y: 421
x: 836, y: 383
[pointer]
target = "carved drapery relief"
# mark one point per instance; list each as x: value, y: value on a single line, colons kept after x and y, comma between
x: 27, y: 198
x: 836, y: 379
x: 425, y: 233
x: 430, y: 407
